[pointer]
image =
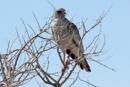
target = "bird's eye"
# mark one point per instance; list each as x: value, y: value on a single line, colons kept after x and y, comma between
x: 59, y: 11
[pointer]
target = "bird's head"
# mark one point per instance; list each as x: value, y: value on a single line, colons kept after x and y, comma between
x: 59, y: 13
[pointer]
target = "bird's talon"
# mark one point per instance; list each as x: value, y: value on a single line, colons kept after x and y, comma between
x: 67, y: 61
x: 63, y: 69
x: 67, y: 67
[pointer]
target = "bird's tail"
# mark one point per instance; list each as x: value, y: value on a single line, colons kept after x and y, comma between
x: 84, y: 65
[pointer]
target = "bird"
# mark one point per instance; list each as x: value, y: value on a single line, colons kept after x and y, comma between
x: 67, y: 37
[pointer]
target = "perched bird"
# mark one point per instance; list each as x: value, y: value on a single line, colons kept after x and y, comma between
x: 67, y: 37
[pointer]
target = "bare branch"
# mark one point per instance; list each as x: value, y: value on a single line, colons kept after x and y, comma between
x: 36, y: 20
x: 51, y: 5
x: 19, y: 66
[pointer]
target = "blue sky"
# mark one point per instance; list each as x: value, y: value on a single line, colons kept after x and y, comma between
x: 115, y: 26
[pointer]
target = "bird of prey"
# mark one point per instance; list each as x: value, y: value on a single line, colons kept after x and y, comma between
x: 67, y: 37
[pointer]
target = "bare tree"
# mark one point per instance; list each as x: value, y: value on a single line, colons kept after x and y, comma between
x: 19, y: 66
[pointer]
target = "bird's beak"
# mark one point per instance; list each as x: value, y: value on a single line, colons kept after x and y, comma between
x: 63, y: 12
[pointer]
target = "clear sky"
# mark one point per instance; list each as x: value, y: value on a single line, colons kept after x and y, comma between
x: 115, y: 26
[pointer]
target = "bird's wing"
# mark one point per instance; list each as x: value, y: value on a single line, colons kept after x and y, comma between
x: 73, y: 30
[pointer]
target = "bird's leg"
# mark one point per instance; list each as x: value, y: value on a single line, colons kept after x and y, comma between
x: 63, y: 67
x: 68, y: 60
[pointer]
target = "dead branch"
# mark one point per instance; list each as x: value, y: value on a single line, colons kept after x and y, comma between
x: 19, y: 66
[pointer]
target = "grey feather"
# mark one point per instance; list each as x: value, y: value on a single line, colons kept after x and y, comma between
x: 67, y: 36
